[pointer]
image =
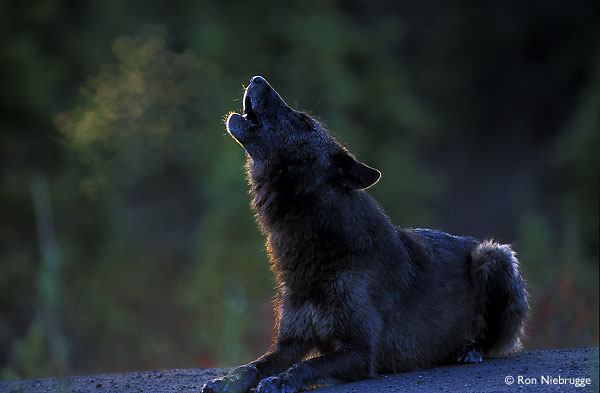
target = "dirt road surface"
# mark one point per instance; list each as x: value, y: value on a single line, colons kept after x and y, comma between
x: 564, y: 370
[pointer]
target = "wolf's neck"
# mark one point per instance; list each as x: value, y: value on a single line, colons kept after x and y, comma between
x: 281, y: 194
x: 315, y: 225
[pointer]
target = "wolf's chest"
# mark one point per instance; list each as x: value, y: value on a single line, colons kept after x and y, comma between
x: 308, y: 316
x: 307, y: 321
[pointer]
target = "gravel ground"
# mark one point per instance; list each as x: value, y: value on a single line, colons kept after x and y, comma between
x: 493, y: 375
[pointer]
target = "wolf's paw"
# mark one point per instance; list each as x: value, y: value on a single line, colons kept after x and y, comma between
x: 276, y: 384
x: 469, y: 355
x: 216, y: 385
x: 239, y: 380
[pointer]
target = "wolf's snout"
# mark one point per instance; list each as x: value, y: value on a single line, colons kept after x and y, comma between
x: 258, y: 80
x: 262, y: 97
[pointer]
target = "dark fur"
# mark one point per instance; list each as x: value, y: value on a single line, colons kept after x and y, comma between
x: 366, y: 296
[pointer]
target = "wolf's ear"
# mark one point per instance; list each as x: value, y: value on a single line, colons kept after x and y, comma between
x: 353, y: 174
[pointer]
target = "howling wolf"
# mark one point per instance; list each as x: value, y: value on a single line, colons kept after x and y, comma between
x: 357, y: 295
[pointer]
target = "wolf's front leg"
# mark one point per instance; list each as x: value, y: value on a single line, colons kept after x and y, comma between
x: 243, y: 378
x: 340, y: 366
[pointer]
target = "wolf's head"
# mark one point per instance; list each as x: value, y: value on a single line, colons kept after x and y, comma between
x: 293, y: 145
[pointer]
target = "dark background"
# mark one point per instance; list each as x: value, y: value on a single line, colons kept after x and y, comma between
x: 126, y: 238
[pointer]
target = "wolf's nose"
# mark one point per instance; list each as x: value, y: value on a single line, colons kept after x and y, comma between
x: 258, y: 80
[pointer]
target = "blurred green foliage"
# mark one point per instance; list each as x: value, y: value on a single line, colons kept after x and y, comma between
x: 126, y: 238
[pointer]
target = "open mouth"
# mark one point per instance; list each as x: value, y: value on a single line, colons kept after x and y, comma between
x: 249, y: 113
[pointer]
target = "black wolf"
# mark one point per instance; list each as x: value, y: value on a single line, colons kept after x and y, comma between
x: 358, y: 296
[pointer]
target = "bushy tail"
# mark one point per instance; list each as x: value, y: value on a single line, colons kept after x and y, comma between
x: 501, y: 293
